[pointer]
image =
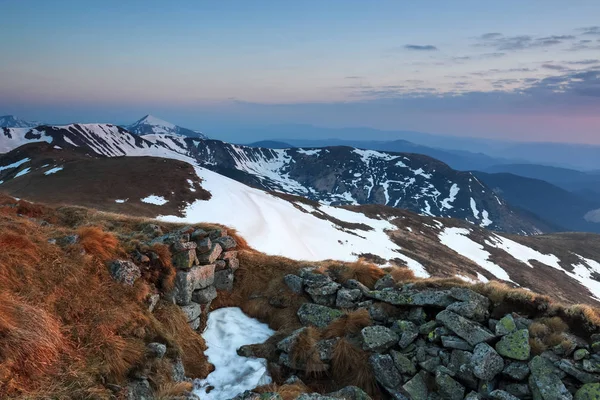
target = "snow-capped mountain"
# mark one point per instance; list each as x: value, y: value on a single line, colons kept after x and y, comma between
x: 333, y: 175
x: 152, y: 125
x: 10, y: 121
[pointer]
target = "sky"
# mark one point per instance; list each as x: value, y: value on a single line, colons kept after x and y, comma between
x: 515, y: 70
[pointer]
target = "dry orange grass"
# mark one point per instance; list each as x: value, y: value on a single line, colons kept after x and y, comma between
x: 364, y: 272
x: 350, y: 324
x: 402, y: 274
x: 30, y: 342
x: 350, y: 366
x: 305, y: 352
x: 287, y: 392
x: 97, y: 242
x: 163, y: 274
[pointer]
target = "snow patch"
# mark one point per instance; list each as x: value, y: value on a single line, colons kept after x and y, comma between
x: 53, y: 170
x: 446, y: 203
x: 23, y: 172
x: 457, y: 239
x: 121, y: 201
x: 314, y: 152
x: 15, y: 164
x: 228, y: 329
x: 154, y: 199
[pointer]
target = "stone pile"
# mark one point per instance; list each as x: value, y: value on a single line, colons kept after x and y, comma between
x: 205, y: 261
x: 441, y: 344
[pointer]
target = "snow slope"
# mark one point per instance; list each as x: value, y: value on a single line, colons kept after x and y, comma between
x: 275, y: 226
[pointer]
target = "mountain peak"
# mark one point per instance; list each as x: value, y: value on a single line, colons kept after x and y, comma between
x: 10, y: 121
x: 150, y: 125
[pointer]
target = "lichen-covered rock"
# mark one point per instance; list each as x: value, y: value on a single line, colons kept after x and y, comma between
x: 288, y: 343
x: 571, y: 369
x: 469, y: 309
x: 580, y: 354
x: 591, y: 365
x: 454, y: 342
x: 403, y: 363
x: 519, y: 390
x: 407, y: 331
x: 347, y: 298
x: 436, y: 298
x: 471, y: 331
x: 473, y: 396
x: 516, y: 370
x: 486, y: 362
x: 124, y: 271
x: 544, y: 382
x: 324, y: 294
x: 385, y: 372
x: 589, y: 391
x: 317, y: 315
x: 139, y: 389
x: 506, y: 325
x: 417, y: 387
x: 385, y: 282
x: 502, y: 395
x: 325, y: 348
x: 295, y: 283
x: 349, y: 393
x: 448, y: 388
x: 515, y: 345
x: 378, y: 338
x: 354, y: 284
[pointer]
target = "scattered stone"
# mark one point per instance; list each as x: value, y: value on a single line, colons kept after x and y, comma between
x: 502, y: 395
x: 231, y: 258
x: 385, y: 282
x: 195, y: 324
x: 152, y: 301
x: 581, y: 354
x: 516, y: 370
x: 210, y: 256
x: 403, y: 363
x: 325, y: 348
x: 505, y: 326
x: 199, y: 234
x: 68, y: 240
x: 469, y: 309
x: 385, y: 372
x: 519, y: 390
x: 378, y: 338
x: 454, y: 342
x: 544, y: 382
x: 347, y: 298
x: 317, y: 315
x: 472, y: 332
x: 448, y: 388
x: 354, y: 284
x: 177, y: 370
x: 288, y: 343
x: 417, y: 315
x: 156, y: 350
x: 486, y: 362
x: 153, y: 229
x: 427, y: 327
x: 295, y: 283
x: 139, y: 389
x: 515, y: 345
x: 584, y: 377
x: 324, y: 294
x: 407, y: 331
x: 417, y: 388
x: 591, y: 366
x: 350, y: 393
x: 473, y: 396
x: 124, y: 271
x: 184, y: 246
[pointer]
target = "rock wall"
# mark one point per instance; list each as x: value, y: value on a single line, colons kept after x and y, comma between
x: 427, y: 344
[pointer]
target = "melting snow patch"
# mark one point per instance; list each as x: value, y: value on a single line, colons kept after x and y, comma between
x: 466, y: 278
x: 523, y: 253
x: 70, y: 141
x: 53, y: 170
x: 451, y: 197
x: 191, y: 183
x: 227, y: 330
x: 474, y: 208
x: 583, y: 272
x: 57, y: 147
x: 422, y: 173
x: 457, y: 239
x: 15, y: 164
x: 23, y: 172
x: 154, y: 199
x: 120, y: 201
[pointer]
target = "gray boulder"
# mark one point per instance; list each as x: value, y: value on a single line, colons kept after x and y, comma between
x: 317, y: 315
x: 226, y: 242
x: 204, y: 245
x: 188, y: 281
x: 387, y: 375
x: 224, y: 280
x: 471, y: 331
x: 139, y: 389
x: 124, y: 271
x: 210, y: 256
x: 407, y: 331
x: 185, y: 259
x: 204, y: 296
x: 506, y: 325
x: 448, y: 388
x: 385, y: 282
x: 295, y: 283
x: 417, y: 387
x: 156, y: 350
x: 486, y: 362
x: 544, y: 383
x: 516, y: 370
x: 378, y: 338
x: 502, y: 395
x: 347, y: 298
x: 436, y: 298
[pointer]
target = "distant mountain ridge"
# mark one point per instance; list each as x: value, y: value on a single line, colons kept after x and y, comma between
x: 10, y: 121
x: 334, y: 175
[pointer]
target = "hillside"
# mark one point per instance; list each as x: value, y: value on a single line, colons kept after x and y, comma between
x: 336, y: 175
x: 78, y: 321
x: 550, y: 202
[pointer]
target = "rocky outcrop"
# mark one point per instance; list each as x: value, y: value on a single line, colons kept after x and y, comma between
x: 440, y: 344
